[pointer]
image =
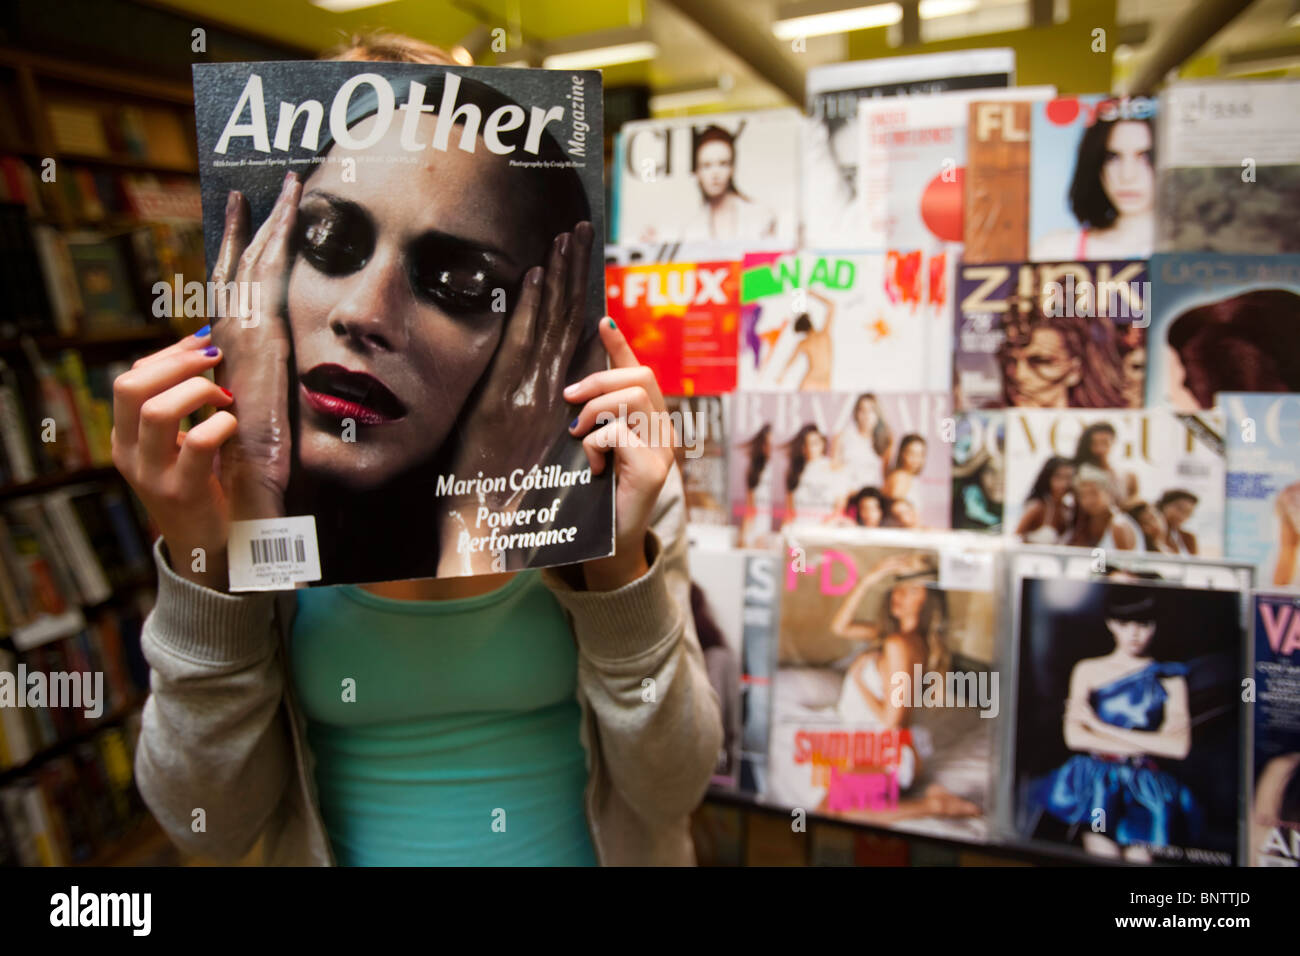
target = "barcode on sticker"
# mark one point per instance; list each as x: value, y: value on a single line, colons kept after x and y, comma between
x: 270, y: 554
x: 268, y: 550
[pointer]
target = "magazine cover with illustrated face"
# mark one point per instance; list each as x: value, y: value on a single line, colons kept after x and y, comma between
x: 723, y: 177
x: 1092, y: 178
x: 1222, y: 324
x: 681, y: 319
x: 979, y: 464
x: 1051, y: 335
x: 1127, y: 720
x: 413, y: 303
x: 814, y: 322
x: 702, y: 456
x: 886, y: 694
x: 1116, y: 480
x: 846, y: 459
x: 834, y: 214
x: 1263, y: 484
x: 1274, y: 816
x: 1228, y: 167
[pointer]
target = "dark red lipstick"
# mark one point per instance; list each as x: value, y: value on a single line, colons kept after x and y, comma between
x: 339, y: 393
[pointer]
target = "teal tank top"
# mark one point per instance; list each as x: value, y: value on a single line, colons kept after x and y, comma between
x: 444, y: 732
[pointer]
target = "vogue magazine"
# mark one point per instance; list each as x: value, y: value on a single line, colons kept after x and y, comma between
x: 414, y: 256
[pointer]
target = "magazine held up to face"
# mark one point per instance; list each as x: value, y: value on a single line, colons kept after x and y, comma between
x: 406, y: 314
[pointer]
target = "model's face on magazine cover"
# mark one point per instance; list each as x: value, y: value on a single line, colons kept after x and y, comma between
x: 914, y: 457
x: 1132, y: 637
x: 390, y: 298
x: 865, y: 416
x: 814, y: 445
x: 1092, y: 498
x: 869, y: 513
x: 1178, y: 512
x: 713, y: 165
x: 1135, y: 372
x: 1040, y: 373
x: 1126, y: 172
x: 1100, y: 444
x: 1061, y: 481
x: 905, y: 603
x: 903, y: 513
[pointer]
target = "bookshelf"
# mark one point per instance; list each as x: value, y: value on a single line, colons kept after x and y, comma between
x: 115, y: 211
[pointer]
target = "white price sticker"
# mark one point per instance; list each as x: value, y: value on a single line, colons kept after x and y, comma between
x: 965, y: 571
x: 273, y: 554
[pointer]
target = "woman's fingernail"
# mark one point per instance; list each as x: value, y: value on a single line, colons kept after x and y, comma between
x: 574, y: 424
x: 211, y: 351
x: 535, y: 275
x: 203, y: 332
x: 562, y: 243
x: 570, y: 389
x: 232, y: 201
x: 229, y: 393
x: 612, y: 325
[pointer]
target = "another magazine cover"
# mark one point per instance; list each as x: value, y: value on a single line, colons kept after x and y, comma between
x: 1263, y: 484
x: 717, y: 582
x: 722, y: 177
x: 1228, y: 167
x: 886, y: 693
x: 979, y: 464
x: 1100, y: 203
x: 762, y: 598
x: 1116, y: 480
x: 814, y: 322
x: 849, y: 459
x: 702, y: 456
x: 429, y: 281
x: 681, y: 319
x: 1222, y: 324
x: 834, y: 216
x: 1274, y: 815
x: 1051, y: 335
x: 1127, y: 715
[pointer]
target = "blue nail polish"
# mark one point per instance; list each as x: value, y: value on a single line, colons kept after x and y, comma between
x: 203, y: 331
x: 211, y: 351
x: 574, y: 424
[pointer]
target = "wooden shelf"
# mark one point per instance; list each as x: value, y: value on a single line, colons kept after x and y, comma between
x: 145, y: 844
x: 49, y: 482
x: 67, y: 744
x: 133, y: 84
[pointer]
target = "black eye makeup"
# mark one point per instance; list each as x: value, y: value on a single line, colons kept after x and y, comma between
x: 462, y: 278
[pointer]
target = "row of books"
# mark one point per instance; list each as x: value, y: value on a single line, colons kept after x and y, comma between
x: 68, y: 686
x: 132, y: 232
x: 73, y: 806
x: 155, y: 134
x: 1080, y: 701
x: 90, y: 195
x: 62, y: 552
x: 1011, y: 174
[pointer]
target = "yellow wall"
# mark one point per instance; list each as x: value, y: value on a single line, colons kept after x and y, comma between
x: 1060, y: 55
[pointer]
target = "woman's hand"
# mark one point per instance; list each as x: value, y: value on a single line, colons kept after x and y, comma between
x: 170, y: 470
x: 257, y: 349
x: 517, y: 412
x: 643, y: 453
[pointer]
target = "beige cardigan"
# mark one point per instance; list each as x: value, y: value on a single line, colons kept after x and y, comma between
x: 222, y: 733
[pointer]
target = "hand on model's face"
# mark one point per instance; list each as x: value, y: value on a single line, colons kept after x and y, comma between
x: 398, y: 298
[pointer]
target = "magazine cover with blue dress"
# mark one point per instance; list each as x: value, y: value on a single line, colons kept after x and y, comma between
x: 1274, y: 829
x: 1128, y: 711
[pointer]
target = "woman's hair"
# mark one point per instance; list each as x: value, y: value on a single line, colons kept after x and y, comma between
x: 1175, y: 495
x: 386, y: 47
x: 803, y: 323
x: 908, y: 439
x: 799, y: 457
x: 1135, y: 512
x: 1288, y: 810
x: 1083, y: 454
x: 757, y: 457
x: 932, y: 623
x: 716, y: 134
x: 1087, y: 474
x: 1092, y: 341
x: 706, y: 628
x: 881, y: 436
x: 1131, y: 604
x: 1042, y: 489
x: 855, y: 503
x: 1088, y: 199
x: 1245, y: 343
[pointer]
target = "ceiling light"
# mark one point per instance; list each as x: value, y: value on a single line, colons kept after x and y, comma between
x: 687, y: 97
x: 934, y: 9
x: 602, y: 56
x: 343, y: 6
x: 837, y: 21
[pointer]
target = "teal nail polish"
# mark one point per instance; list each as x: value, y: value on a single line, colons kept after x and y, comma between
x: 612, y: 325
